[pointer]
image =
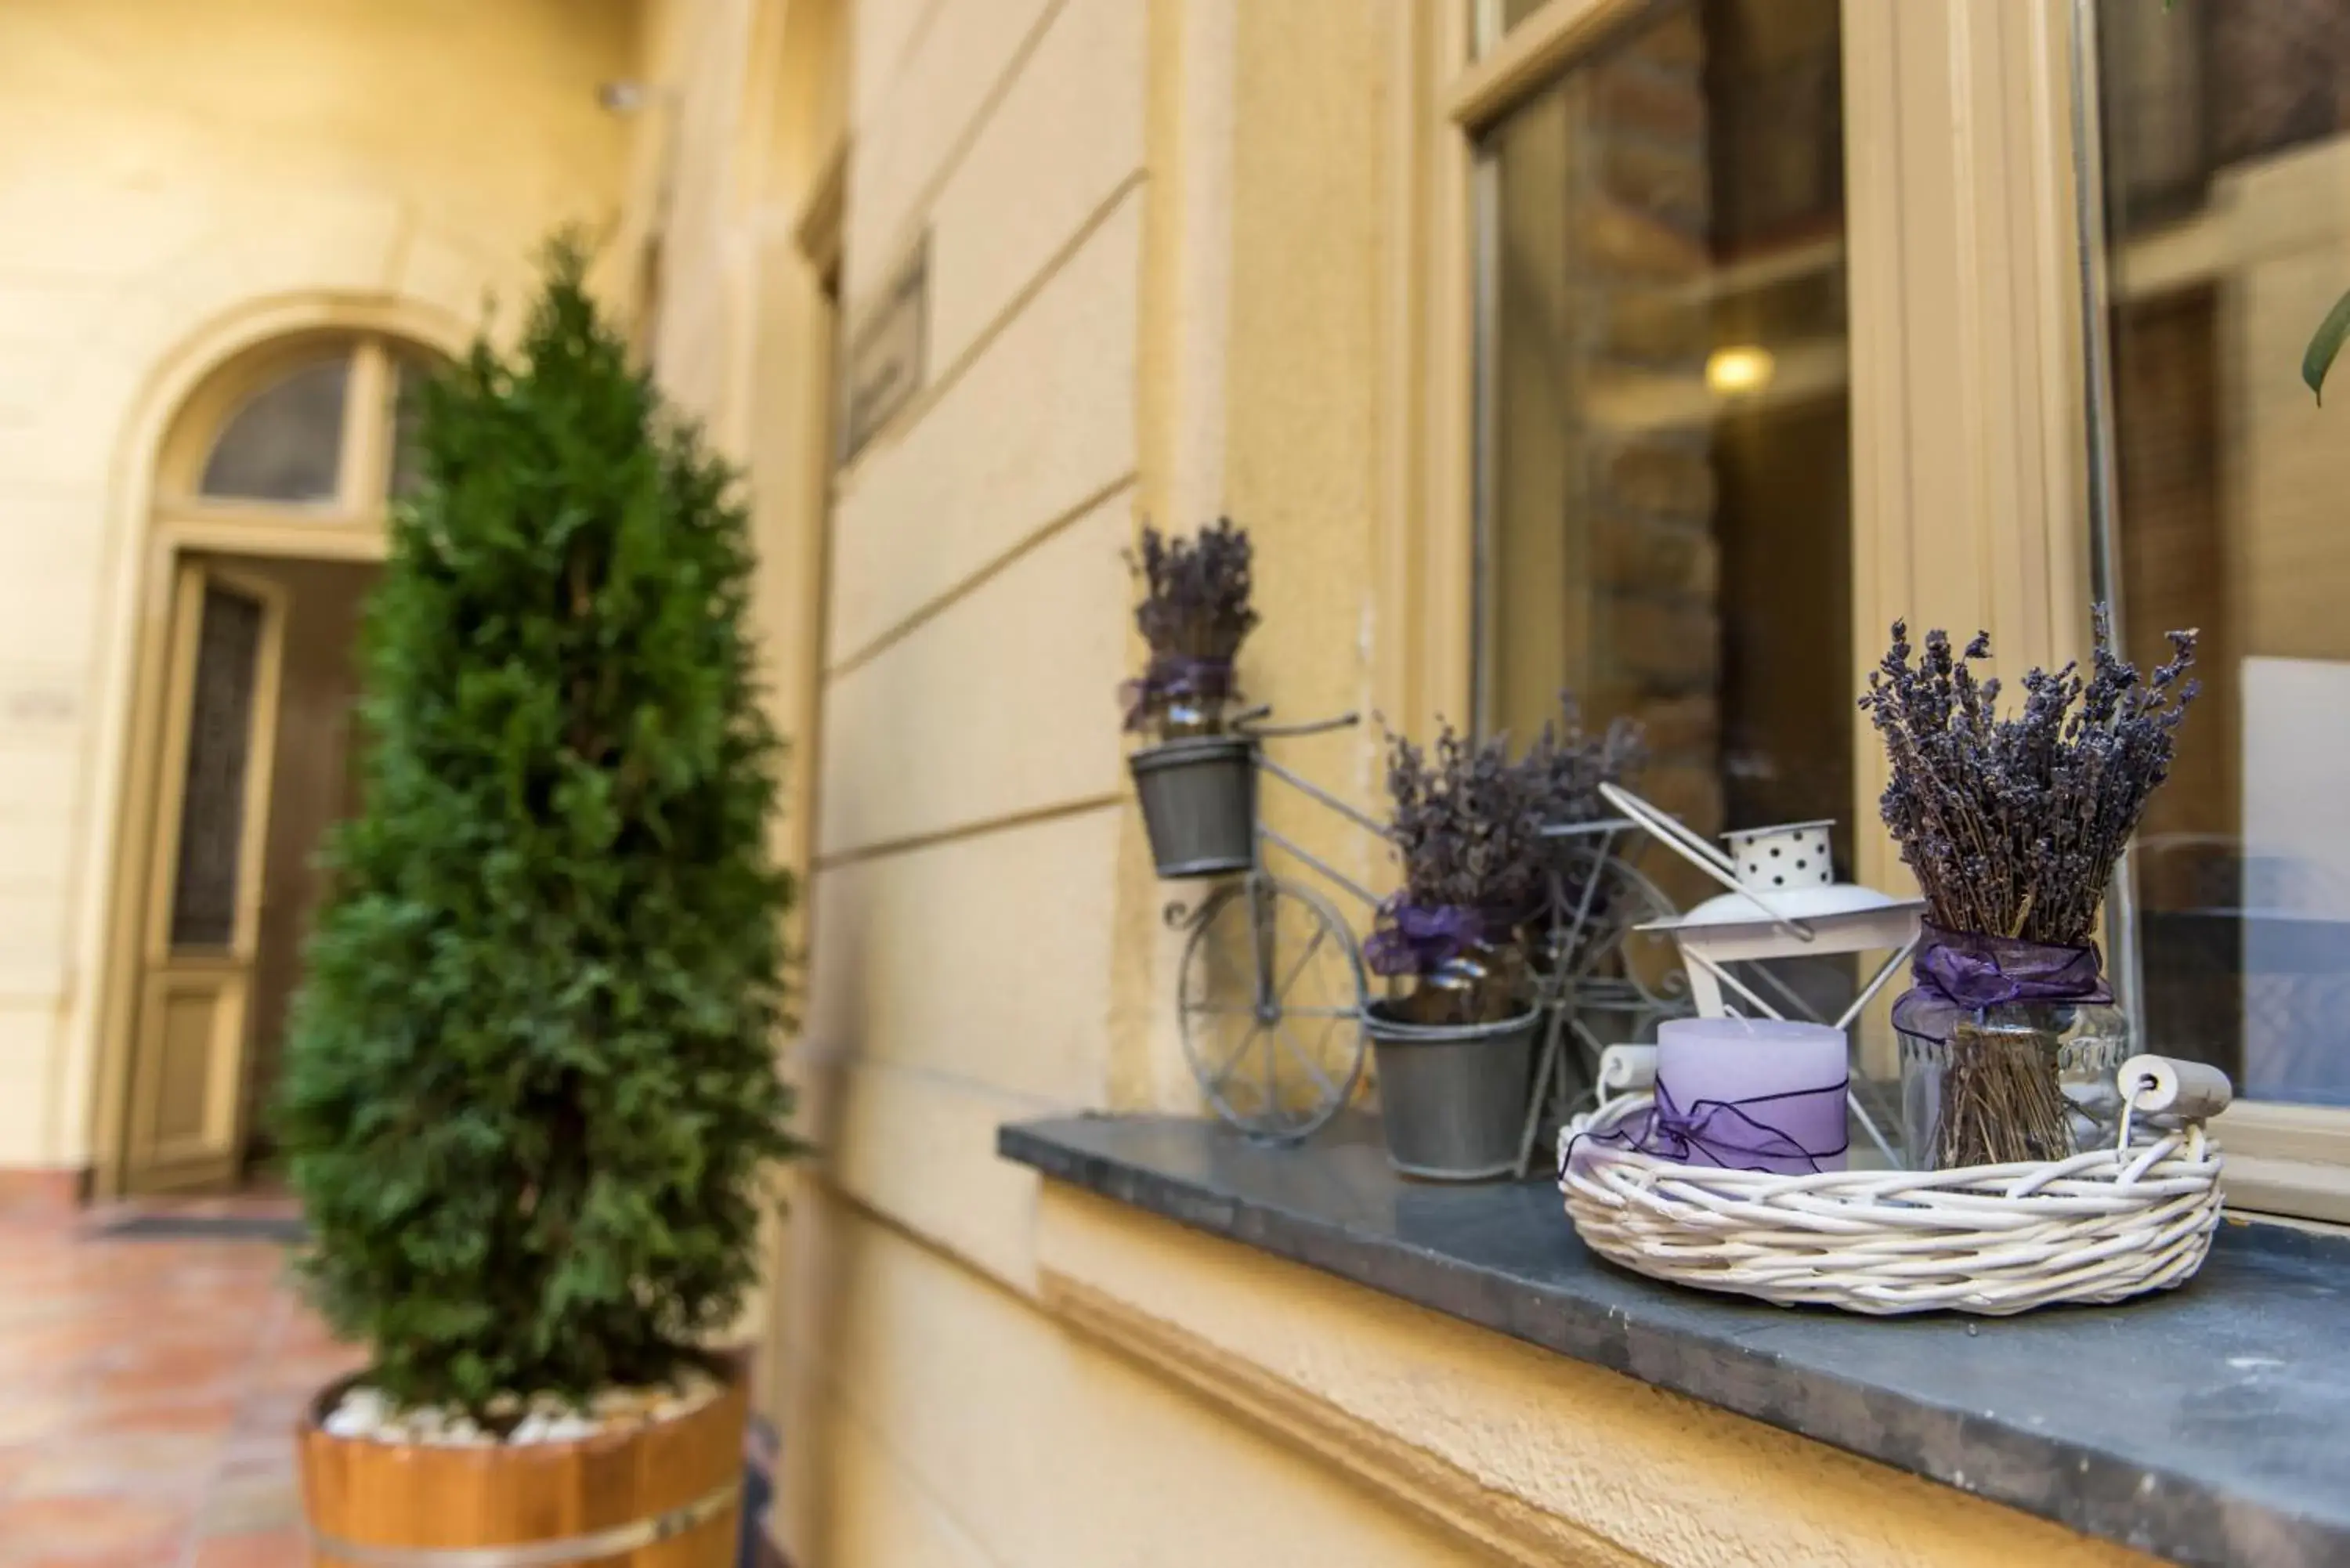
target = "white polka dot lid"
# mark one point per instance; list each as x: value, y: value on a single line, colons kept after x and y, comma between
x: 1773, y: 859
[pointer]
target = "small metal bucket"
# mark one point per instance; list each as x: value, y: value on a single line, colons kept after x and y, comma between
x: 1199, y: 802
x: 1453, y: 1097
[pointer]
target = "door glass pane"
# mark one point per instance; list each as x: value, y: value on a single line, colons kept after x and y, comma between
x: 2226, y: 173
x: 287, y: 442
x: 219, y: 743
x: 1664, y: 501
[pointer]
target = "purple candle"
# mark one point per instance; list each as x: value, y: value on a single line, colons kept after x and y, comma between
x: 1750, y: 1094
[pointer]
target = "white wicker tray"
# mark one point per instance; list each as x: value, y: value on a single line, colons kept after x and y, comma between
x: 1988, y: 1239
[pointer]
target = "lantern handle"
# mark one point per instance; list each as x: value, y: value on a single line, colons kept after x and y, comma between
x: 1678, y: 835
x: 1684, y: 841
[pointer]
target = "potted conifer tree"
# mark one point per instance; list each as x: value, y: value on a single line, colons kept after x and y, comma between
x: 531, y: 1088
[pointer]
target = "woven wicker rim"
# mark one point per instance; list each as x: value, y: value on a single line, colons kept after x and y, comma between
x: 1992, y: 1239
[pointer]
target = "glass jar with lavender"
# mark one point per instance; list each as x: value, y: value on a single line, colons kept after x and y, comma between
x: 2014, y: 822
x: 2009, y: 1050
x: 2027, y: 1082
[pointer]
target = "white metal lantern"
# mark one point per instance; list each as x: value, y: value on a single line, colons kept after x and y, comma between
x: 1782, y: 900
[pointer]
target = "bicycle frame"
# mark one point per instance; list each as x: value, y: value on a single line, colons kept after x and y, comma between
x: 1267, y: 834
x: 1563, y: 970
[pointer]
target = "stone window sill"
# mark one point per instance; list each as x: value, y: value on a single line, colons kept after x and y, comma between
x: 2209, y: 1426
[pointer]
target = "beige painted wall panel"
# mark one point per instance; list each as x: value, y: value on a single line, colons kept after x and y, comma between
x: 703, y: 274
x: 874, y: 1509
x: 43, y: 318
x: 47, y: 215
x: 1006, y: 703
x: 1042, y: 421
x: 38, y: 773
x: 33, y: 955
x: 445, y: 270
x: 1054, y: 1453
x: 986, y: 957
x: 50, y: 612
x: 39, y: 859
x: 935, y: 102
x: 44, y: 720
x: 75, y: 432
x: 1676, y: 1482
x: 51, y: 536
x: 352, y: 94
x: 920, y: 1148
x: 883, y: 29
x: 26, y: 1067
x: 1049, y: 158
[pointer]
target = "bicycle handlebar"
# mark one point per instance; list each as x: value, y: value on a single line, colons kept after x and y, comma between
x: 1249, y: 723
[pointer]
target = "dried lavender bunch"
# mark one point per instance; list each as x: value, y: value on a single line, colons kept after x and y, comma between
x: 1468, y: 822
x: 1569, y: 764
x: 1195, y: 592
x: 2013, y: 825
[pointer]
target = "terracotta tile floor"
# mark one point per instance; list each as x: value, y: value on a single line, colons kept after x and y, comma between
x: 147, y: 1393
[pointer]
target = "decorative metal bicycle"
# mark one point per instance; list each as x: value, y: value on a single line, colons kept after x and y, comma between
x: 1272, y: 989
x: 1270, y: 995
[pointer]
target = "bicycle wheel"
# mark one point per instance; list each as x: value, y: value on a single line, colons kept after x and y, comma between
x: 1606, y: 982
x: 1270, y: 1001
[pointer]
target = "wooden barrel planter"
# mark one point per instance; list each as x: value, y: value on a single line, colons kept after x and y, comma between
x: 667, y: 1495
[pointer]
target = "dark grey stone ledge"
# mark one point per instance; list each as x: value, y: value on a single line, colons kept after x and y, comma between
x: 2210, y: 1425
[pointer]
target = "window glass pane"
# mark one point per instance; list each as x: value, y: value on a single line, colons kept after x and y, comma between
x: 2226, y: 175
x: 286, y: 444
x: 408, y: 385
x: 1663, y: 430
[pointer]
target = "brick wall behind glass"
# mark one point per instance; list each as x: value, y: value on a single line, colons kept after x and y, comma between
x: 1647, y: 484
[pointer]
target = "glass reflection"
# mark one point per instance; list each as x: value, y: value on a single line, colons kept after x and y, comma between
x: 1664, y: 496
x: 2227, y: 176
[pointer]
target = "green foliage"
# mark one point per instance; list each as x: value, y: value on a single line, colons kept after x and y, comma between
x: 2324, y: 345
x: 531, y: 1083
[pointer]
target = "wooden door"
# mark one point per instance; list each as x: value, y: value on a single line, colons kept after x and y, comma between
x: 202, y: 914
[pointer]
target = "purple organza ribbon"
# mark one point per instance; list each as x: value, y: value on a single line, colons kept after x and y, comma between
x: 1171, y: 676
x: 1418, y: 939
x: 1728, y: 1133
x: 1959, y: 974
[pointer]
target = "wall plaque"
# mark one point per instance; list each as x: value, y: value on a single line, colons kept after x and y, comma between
x: 886, y: 352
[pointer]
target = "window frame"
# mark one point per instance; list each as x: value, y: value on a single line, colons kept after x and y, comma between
x: 352, y: 522
x: 1977, y: 365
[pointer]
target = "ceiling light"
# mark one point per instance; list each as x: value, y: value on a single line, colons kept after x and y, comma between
x: 1745, y: 369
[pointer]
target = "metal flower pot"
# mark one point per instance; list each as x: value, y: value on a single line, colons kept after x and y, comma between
x: 1453, y: 1097
x: 1199, y: 802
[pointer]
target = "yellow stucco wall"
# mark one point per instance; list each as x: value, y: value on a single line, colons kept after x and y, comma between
x: 177, y: 176
x: 1159, y: 286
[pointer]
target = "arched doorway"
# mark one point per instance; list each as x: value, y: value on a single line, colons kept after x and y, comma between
x: 271, y: 493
